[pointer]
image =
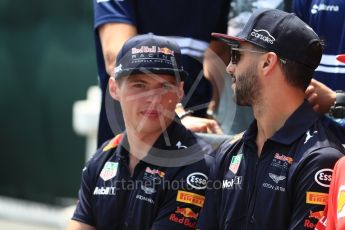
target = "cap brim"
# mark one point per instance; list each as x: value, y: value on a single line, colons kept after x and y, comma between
x: 174, y: 72
x: 341, y: 58
x: 229, y: 40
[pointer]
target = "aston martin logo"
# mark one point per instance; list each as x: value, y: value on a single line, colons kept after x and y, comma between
x: 276, y: 178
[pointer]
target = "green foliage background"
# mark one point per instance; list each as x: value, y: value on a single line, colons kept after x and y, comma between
x: 47, y: 61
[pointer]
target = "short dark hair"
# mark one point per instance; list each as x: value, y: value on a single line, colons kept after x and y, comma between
x: 298, y: 74
x: 119, y: 81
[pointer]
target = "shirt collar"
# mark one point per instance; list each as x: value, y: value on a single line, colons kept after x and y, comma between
x: 173, y: 138
x: 295, y: 126
x: 122, y: 149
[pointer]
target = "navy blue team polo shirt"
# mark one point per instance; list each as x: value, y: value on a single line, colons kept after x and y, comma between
x: 155, y: 197
x: 285, y: 188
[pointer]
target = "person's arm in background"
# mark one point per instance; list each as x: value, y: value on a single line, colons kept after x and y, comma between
x: 216, y: 55
x: 214, y: 70
x: 114, y: 23
x: 76, y: 225
x: 113, y: 36
x: 320, y: 96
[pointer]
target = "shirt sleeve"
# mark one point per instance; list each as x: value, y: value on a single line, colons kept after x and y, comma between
x: 210, y: 216
x: 181, y: 207
x: 208, y: 219
x: 84, y: 208
x: 83, y: 211
x: 106, y: 11
x: 310, y: 187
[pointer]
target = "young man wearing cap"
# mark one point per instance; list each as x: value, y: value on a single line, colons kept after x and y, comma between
x: 180, y: 20
x: 277, y: 175
x: 153, y: 176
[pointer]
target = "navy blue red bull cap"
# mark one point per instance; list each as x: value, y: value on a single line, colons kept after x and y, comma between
x: 280, y: 32
x: 149, y: 54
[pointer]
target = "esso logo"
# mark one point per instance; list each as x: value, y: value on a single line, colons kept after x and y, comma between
x: 197, y: 180
x: 323, y: 177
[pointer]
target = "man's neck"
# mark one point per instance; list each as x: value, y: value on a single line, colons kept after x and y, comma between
x: 139, y: 146
x: 271, y: 115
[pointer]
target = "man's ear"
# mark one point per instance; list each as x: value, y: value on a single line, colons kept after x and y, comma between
x: 114, y: 88
x: 269, y: 62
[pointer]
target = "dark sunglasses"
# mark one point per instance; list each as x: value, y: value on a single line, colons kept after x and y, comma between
x: 235, y: 54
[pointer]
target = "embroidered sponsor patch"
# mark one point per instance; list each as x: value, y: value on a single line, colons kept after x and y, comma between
x: 281, y: 161
x: 155, y: 172
x: 235, y: 163
x: 323, y: 177
x: 187, y: 212
x: 316, y: 198
x: 284, y: 158
x: 184, y: 216
x: 144, y: 198
x: 263, y: 35
x: 190, y: 198
x: 109, y: 170
x: 237, y: 181
x: 104, y: 191
x: 197, y: 180
x: 276, y: 178
x: 316, y: 215
x: 148, y: 190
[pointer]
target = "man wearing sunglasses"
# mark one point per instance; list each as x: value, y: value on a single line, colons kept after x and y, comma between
x: 277, y: 175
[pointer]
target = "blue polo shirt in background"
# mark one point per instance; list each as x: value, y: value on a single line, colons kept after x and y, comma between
x: 154, y: 197
x: 285, y: 188
x: 327, y: 18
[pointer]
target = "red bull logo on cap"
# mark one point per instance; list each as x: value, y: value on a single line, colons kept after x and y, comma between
x: 144, y: 49
x: 165, y: 50
x: 152, y: 49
